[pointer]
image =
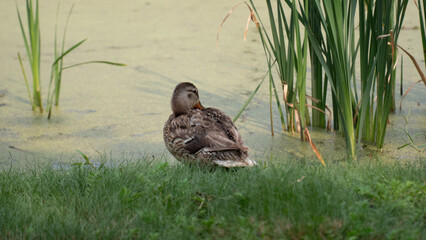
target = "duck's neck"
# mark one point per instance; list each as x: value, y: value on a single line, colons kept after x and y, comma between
x: 180, y: 110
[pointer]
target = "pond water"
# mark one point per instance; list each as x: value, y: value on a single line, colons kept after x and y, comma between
x: 120, y: 111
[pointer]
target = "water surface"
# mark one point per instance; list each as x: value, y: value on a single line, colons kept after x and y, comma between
x: 120, y: 111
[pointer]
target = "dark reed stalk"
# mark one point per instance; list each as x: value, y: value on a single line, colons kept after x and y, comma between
x: 301, y: 61
x: 422, y: 15
x: 402, y: 76
x: 318, y: 84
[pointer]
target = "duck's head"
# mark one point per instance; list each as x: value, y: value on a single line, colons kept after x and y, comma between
x: 185, y: 97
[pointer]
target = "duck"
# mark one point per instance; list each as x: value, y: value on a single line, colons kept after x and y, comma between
x: 203, y: 136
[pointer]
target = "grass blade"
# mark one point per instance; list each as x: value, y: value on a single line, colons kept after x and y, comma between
x: 68, y: 51
x: 419, y: 70
x: 88, y: 62
x: 24, y: 36
x: 58, y: 74
x: 250, y: 98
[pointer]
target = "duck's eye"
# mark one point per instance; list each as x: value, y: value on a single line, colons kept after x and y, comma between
x: 191, y: 92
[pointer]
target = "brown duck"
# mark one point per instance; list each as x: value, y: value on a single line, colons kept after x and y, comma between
x: 204, y: 136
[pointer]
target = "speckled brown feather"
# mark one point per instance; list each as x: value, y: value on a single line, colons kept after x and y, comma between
x: 204, y: 136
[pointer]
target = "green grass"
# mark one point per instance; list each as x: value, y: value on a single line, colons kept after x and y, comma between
x: 285, y: 199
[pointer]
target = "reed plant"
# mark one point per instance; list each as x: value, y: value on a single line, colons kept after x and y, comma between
x: 366, y: 116
x: 301, y: 61
x: 285, y: 46
x: 329, y: 27
x: 285, y: 43
x: 269, y: 50
x: 377, y: 65
x: 32, y: 45
x: 56, y: 69
x: 58, y: 65
x: 337, y: 57
x: 33, y: 52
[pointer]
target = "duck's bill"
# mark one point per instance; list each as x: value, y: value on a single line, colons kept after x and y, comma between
x: 198, y: 105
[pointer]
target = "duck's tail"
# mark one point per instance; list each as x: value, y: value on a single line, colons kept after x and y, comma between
x: 234, y: 163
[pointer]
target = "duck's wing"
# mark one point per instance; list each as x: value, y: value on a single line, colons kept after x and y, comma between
x: 179, y: 135
x: 221, y: 133
x: 209, y: 129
